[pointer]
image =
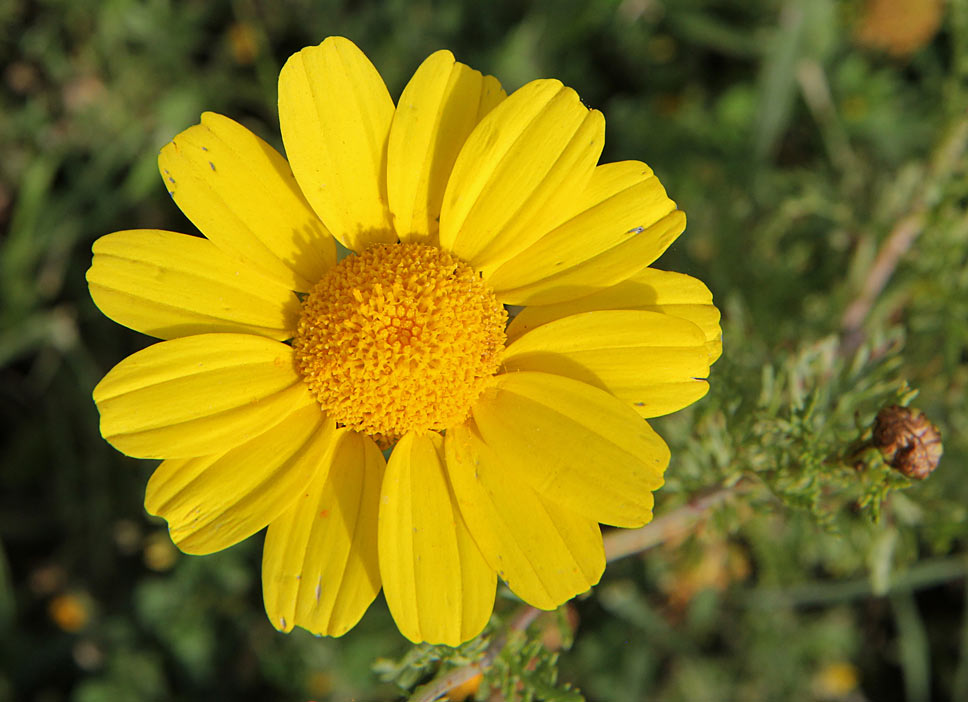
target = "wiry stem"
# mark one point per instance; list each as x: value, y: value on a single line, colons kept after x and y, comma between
x: 620, y: 543
x: 905, y: 232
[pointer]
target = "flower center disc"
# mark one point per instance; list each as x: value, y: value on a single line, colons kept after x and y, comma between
x: 403, y: 337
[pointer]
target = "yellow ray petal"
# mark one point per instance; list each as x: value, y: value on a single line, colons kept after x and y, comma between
x: 670, y: 293
x: 577, y: 445
x: 335, y: 113
x: 520, y: 173
x: 319, y: 563
x: 198, y: 395
x: 440, y: 106
x: 240, y: 193
x: 213, y: 502
x: 437, y: 584
x: 624, y: 222
x: 170, y: 285
x: 546, y: 554
x: 639, y: 356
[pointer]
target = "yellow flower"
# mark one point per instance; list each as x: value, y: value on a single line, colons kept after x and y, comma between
x: 283, y: 373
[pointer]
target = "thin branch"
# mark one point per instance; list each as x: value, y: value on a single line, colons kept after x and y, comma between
x: 897, y: 244
x: 946, y: 158
x: 620, y: 543
x: 439, y: 687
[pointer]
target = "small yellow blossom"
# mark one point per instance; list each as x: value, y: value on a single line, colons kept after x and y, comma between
x: 70, y: 611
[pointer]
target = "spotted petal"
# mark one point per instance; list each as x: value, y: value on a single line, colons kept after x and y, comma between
x: 519, y: 173
x: 624, y: 221
x: 213, y: 502
x: 575, y: 444
x: 440, y: 106
x: 319, y: 564
x: 240, y: 193
x: 437, y: 584
x: 545, y: 553
x: 651, y: 289
x: 198, y: 395
x: 335, y: 113
x: 656, y: 361
x: 170, y: 285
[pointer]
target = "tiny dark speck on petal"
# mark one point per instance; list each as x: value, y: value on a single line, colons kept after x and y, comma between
x: 204, y: 148
x: 212, y: 165
x: 171, y: 180
x: 635, y: 230
x: 172, y: 193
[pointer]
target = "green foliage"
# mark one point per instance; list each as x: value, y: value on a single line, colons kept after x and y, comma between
x: 424, y: 659
x: 526, y: 671
x: 800, y: 157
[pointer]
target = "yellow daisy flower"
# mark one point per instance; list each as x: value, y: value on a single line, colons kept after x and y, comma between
x: 284, y: 374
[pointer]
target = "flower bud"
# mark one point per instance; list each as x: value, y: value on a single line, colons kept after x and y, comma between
x: 909, y: 442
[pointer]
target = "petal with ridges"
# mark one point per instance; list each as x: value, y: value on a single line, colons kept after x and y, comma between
x: 440, y: 106
x: 546, y: 554
x: 633, y: 354
x: 319, y: 564
x: 651, y: 289
x: 240, y: 193
x: 437, y: 584
x: 520, y: 172
x: 575, y: 444
x: 198, y: 395
x: 170, y: 285
x: 335, y: 113
x: 620, y: 227
x: 213, y: 502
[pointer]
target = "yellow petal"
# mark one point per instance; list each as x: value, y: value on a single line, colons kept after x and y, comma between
x: 437, y: 584
x: 624, y: 222
x: 335, y: 113
x: 651, y: 289
x: 213, y: 502
x: 240, y: 193
x: 170, y: 285
x: 520, y: 173
x: 546, y: 554
x: 639, y: 356
x: 575, y: 444
x: 440, y: 106
x: 319, y: 563
x: 198, y: 395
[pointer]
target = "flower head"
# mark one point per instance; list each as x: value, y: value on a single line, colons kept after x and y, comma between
x: 282, y: 373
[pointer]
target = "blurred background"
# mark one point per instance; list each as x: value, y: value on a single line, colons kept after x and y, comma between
x: 817, y: 149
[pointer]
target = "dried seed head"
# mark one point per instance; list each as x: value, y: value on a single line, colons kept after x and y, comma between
x: 910, y: 443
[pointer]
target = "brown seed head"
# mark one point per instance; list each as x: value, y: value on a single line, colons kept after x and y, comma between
x: 910, y: 443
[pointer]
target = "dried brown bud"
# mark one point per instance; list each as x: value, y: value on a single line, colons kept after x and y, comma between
x: 910, y: 443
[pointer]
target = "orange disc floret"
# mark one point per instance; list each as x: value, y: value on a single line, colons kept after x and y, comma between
x: 402, y: 337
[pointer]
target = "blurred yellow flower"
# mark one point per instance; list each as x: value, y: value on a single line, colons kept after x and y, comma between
x: 283, y: 373
x: 243, y: 42
x: 159, y: 554
x: 70, y: 612
x: 899, y: 27
x: 836, y: 680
